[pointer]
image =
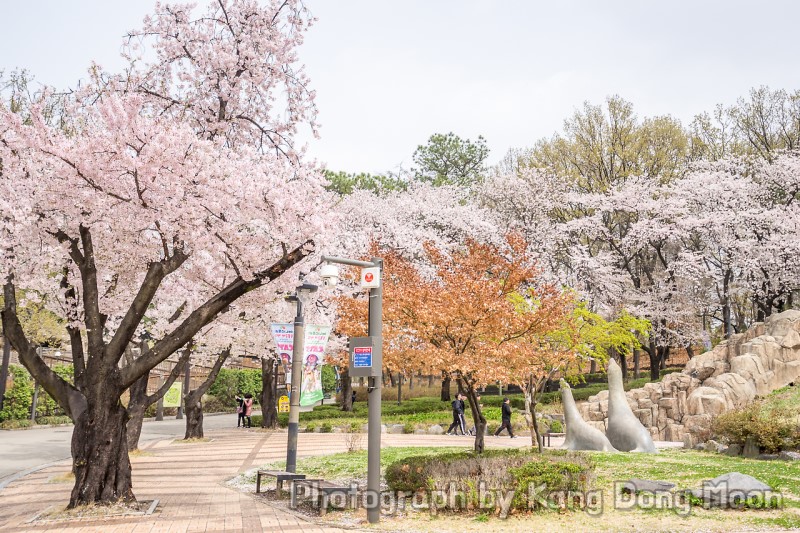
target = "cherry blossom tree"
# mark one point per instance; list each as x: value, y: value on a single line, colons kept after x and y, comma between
x: 179, y: 173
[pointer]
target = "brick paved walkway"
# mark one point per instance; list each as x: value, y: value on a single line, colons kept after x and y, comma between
x: 188, y: 479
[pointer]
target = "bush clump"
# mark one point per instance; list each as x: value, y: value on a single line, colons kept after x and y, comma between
x: 772, y: 428
x: 18, y: 398
x: 517, y: 470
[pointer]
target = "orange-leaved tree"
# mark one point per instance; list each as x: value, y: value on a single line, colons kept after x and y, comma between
x: 471, y: 316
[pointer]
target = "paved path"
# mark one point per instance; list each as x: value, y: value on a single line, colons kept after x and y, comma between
x: 21, y: 450
x: 189, y: 480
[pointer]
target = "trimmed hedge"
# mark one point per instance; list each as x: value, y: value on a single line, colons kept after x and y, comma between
x: 519, y: 470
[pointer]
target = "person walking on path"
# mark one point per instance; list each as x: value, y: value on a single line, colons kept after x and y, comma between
x: 248, y: 409
x: 506, y: 419
x: 458, y: 417
x: 239, y: 409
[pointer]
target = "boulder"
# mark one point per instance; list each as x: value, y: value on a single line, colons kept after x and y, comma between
x: 396, y: 429
x: 791, y: 340
x: 751, y: 449
x: 436, y: 429
x: 706, y: 400
x: 634, y: 486
x: 734, y: 450
x: 730, y: 490
x: 789, y: 456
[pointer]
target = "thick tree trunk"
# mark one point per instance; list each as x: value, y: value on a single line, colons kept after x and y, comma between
x: 137, y: 404
x: 193, y: 411
x: 593, y: 366
x: 636, y: 354
x: 139, y: 400
x: 655, y: 363
x: 537, y: 435
x: 399, y: 389
x: 100, y: 453
x: 477, y: 416
x: 193, y: 400
x: 269, y: 380
x: 445, y: 387
x: 347, y: 389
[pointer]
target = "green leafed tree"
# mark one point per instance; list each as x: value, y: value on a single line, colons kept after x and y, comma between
x: 447, y: 159
x: 344, y: 183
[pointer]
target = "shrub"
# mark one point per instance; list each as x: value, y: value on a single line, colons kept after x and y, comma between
x: 310, y: 427
x: 328, y: 378
x: 53, y: 420
x: 257, y: 420
x: 15, y: 424
x: 770, y: 427
x: 232, y: 380
x: 19, y: 398
x: 556, y: 426
x: 212, y: 404
x: 408, y: 427
x: 557, y: 475
x: 325, y: 427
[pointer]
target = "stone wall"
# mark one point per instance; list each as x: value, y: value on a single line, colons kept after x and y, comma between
x: 682, y: 405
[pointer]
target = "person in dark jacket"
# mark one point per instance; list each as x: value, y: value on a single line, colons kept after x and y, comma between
x: 506, y: 419
x: 240, y: 409
x: 458, y: 417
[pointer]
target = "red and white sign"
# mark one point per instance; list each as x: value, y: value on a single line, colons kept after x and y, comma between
x: 370, y: 278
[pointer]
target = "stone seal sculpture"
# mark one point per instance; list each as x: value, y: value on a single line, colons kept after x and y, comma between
x: 579, y: 434
x: 624, y: 430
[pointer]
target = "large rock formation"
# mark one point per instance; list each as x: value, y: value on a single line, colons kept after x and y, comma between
x: 579, y: 434
x: 682, y: 405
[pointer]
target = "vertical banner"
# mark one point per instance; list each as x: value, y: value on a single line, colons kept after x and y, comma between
x: 172, y: 398
x: 283, y: 335
x: 315, y: 341
x: 316, y: 337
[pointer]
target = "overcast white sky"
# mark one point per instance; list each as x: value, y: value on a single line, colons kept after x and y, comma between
x: 389, y: 73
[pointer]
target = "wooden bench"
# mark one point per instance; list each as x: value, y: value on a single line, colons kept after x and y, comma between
x: 321, y: 491
x: 548, y: 435
x: 279, y: 475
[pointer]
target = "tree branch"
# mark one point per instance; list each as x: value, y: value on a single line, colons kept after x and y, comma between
x: 67, y: 396
x: 212, y: 376
x: 204, y: 314
x: 91, y: 302
x: 156, y: 272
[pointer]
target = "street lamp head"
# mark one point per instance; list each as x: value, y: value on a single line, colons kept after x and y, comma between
x: 329, y: 274
x: 306, y: 288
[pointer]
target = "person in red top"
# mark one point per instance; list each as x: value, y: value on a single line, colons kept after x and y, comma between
x: 248, y: 408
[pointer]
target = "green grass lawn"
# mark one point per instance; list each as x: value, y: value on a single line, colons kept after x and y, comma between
x: 686, y: 468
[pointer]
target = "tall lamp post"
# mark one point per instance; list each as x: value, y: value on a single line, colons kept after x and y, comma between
x: 297, y: 373
x: 374, y: 375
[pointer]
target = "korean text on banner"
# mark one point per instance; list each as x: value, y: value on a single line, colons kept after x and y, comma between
x: 283, y: 335
x: 316, y: 337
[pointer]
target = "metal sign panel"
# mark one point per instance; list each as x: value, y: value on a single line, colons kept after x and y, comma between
x: 370, y: 278
x: 365, y: 361
x: 283, y: 404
